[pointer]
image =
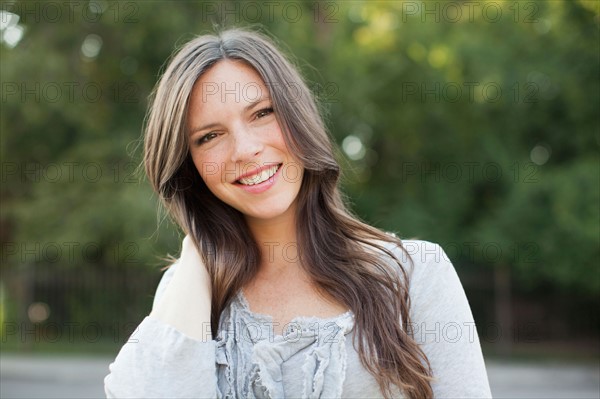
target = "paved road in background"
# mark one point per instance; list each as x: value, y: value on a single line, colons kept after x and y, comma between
x: 81, y: 377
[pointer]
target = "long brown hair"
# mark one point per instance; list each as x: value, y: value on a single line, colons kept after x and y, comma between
x: 344, y: 257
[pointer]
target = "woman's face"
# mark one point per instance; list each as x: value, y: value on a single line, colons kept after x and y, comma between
x: 237, y: 145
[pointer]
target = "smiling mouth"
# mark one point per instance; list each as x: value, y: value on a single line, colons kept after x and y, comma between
x: 260, y: 177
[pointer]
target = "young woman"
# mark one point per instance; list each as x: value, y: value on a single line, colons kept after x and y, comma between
x: 279, y: 291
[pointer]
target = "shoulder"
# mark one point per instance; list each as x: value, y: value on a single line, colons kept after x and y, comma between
x: 417, y: 256
x: 424, y: 252
x: 426, y: 264
x: 434, y: 286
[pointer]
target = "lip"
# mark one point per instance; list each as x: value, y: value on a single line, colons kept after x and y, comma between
x: 257, y: 170
x: 260, y: 187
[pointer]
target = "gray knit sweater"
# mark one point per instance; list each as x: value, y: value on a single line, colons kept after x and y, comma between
x: 313, y: 358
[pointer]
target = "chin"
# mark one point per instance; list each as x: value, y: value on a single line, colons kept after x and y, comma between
x: 269, y: 212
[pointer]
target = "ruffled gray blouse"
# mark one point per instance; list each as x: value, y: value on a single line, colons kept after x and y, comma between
x: 252, y: 361
x: 313, y: 358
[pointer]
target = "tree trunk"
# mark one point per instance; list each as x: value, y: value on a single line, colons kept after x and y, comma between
x: 503, y: 310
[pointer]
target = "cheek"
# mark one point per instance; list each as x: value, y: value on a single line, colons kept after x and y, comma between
x: 276, y: 139
x: 208, y: 167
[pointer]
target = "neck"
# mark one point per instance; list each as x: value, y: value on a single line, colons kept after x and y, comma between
x: 276, y: 239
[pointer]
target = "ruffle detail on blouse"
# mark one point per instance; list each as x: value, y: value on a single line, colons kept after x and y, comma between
x: 247, y: 343
x: 325, y: 366
x: 223, y: 360
x: 266, y: 377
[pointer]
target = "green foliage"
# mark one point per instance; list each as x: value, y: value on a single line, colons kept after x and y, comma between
x: 471, y: 129
x: 553, y: 227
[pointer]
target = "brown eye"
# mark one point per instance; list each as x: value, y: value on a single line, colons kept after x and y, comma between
x: 206, y: 138
x: 264, y: 112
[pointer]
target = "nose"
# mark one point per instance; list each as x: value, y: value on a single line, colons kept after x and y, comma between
x: 246, y: 145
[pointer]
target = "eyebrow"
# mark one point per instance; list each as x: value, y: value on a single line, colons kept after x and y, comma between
x: 215, y: 124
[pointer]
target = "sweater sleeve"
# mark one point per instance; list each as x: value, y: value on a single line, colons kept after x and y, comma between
x: 443, y: 325
x: 158, y: 361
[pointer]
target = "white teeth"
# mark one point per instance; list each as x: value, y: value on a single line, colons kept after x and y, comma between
x: 264, y: 175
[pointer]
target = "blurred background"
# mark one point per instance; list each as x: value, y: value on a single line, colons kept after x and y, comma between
x: 474, y: 124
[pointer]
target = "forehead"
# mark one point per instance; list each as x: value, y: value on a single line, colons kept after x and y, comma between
x: 229, y: 80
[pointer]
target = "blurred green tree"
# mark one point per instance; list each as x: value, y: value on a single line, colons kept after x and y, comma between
x: 460, y: 122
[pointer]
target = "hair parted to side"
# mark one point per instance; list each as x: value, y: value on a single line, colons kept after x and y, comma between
x: 343, y: 256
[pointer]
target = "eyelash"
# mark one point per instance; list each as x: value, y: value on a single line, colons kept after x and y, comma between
x: 204, y: 138
x: 268, y: 110
x: 259, y: 114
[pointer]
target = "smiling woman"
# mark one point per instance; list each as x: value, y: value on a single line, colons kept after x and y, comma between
x: 279, y: 290
x: 238, y: 147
